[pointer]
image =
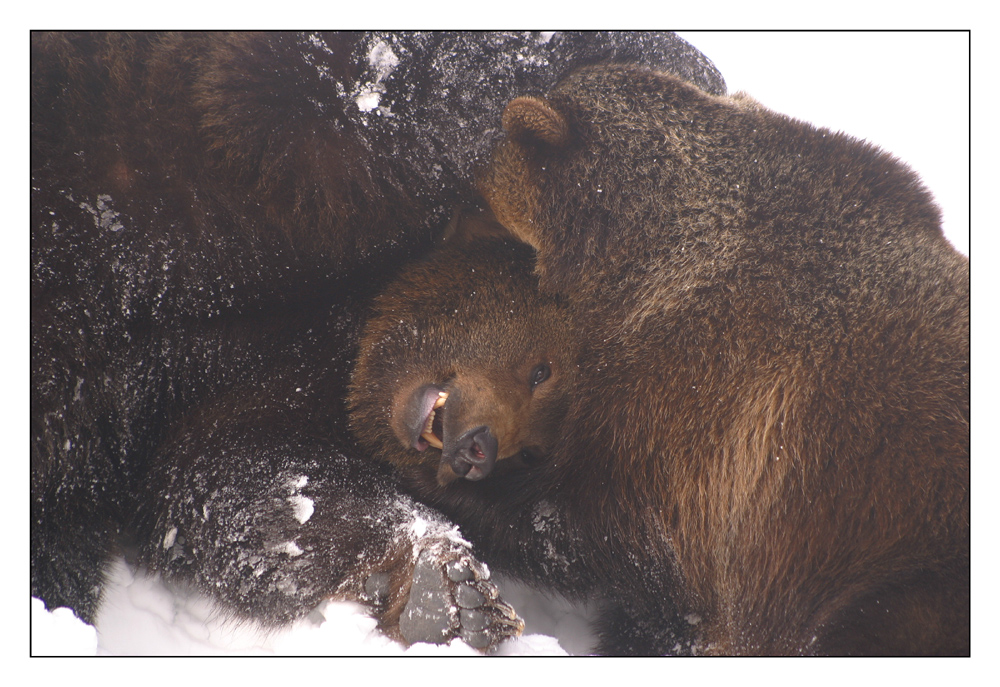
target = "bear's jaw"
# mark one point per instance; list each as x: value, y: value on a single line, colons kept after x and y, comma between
x: 432, y: 425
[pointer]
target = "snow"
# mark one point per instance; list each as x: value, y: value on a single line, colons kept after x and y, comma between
x: 169, y: 538
x: 868, y: 84
x: 302, y: 506
x: 367, y: 100
x: 382, y: 61
x: 60, y: 633
x: 419, y: 527
x: 143, y: 616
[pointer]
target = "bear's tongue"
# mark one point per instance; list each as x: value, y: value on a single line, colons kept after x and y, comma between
x: 428, y: 434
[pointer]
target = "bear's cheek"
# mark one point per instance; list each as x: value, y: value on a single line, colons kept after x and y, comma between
x: 526, y: 428
x: 545, y: 421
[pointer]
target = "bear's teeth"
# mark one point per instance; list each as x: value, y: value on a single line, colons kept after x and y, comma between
x: 428, y: 433
x: 432, y: 440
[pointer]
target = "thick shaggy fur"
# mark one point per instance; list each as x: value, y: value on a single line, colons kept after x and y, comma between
x: 766, y: 448
x: 783, y: 338
x: 210, y: 213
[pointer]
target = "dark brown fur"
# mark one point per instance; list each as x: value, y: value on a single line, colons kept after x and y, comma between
x: 785, y: 337
x: 211, y: 213
x: 471, y: 322
x: 766, y: 449
x: 202, y: 240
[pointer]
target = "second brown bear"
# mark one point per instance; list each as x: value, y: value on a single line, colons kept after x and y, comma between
x: 765, y: 446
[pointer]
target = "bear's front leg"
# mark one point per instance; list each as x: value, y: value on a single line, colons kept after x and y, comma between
x: 271, y: 529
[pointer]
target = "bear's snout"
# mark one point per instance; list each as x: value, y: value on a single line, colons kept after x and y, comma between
x: 473, y: 454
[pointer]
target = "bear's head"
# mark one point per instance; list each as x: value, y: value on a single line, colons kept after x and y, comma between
x: 464, y: 363
x: 608, y: 171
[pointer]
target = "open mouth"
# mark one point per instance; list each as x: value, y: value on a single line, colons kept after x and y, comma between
x: 431, y: 434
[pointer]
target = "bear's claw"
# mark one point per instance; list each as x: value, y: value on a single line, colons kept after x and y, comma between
x: 456, y: 599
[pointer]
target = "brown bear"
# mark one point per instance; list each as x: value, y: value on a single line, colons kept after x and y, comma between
x: 210, y: 214
x: 765, y: 447
x: 464, y: 355
x: 463, y: 380
x: 777, y: 345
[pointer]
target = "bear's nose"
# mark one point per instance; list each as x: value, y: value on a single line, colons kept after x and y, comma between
x: 473, y: 454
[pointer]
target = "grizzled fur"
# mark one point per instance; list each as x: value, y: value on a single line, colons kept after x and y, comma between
x: 778, y: 335
x: 766, y: 444
x: 210, y: 213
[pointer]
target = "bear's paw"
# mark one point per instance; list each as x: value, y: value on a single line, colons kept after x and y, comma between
x: 451, y: 596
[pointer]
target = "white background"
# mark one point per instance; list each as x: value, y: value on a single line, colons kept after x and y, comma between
x: 907, y: 92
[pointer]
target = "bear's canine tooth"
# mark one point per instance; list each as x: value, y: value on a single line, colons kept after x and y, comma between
x: 428, y: 433
x: 432, y: 440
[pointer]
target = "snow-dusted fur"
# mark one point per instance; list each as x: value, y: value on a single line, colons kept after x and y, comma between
x: 210, y: 213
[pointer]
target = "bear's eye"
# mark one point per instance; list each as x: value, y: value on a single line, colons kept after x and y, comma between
x: 539, y: 374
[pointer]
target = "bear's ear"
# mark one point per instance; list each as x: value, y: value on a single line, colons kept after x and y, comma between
x: 528, y: 118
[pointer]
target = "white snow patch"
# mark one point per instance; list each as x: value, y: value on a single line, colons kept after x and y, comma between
x: 544, y: 516
x: 418, y: 527
x: 553, y: 625
x: 383, y: 61
x: 141, y: 615
x: 104, y: 216
x: 169, y: 538
x: 456, y: 648
x: 318, y: 43
x: 532, y: 645
x: 60, y: 633
x: 291, y: 548
x: 368, y: 100
x: 302, y: 507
